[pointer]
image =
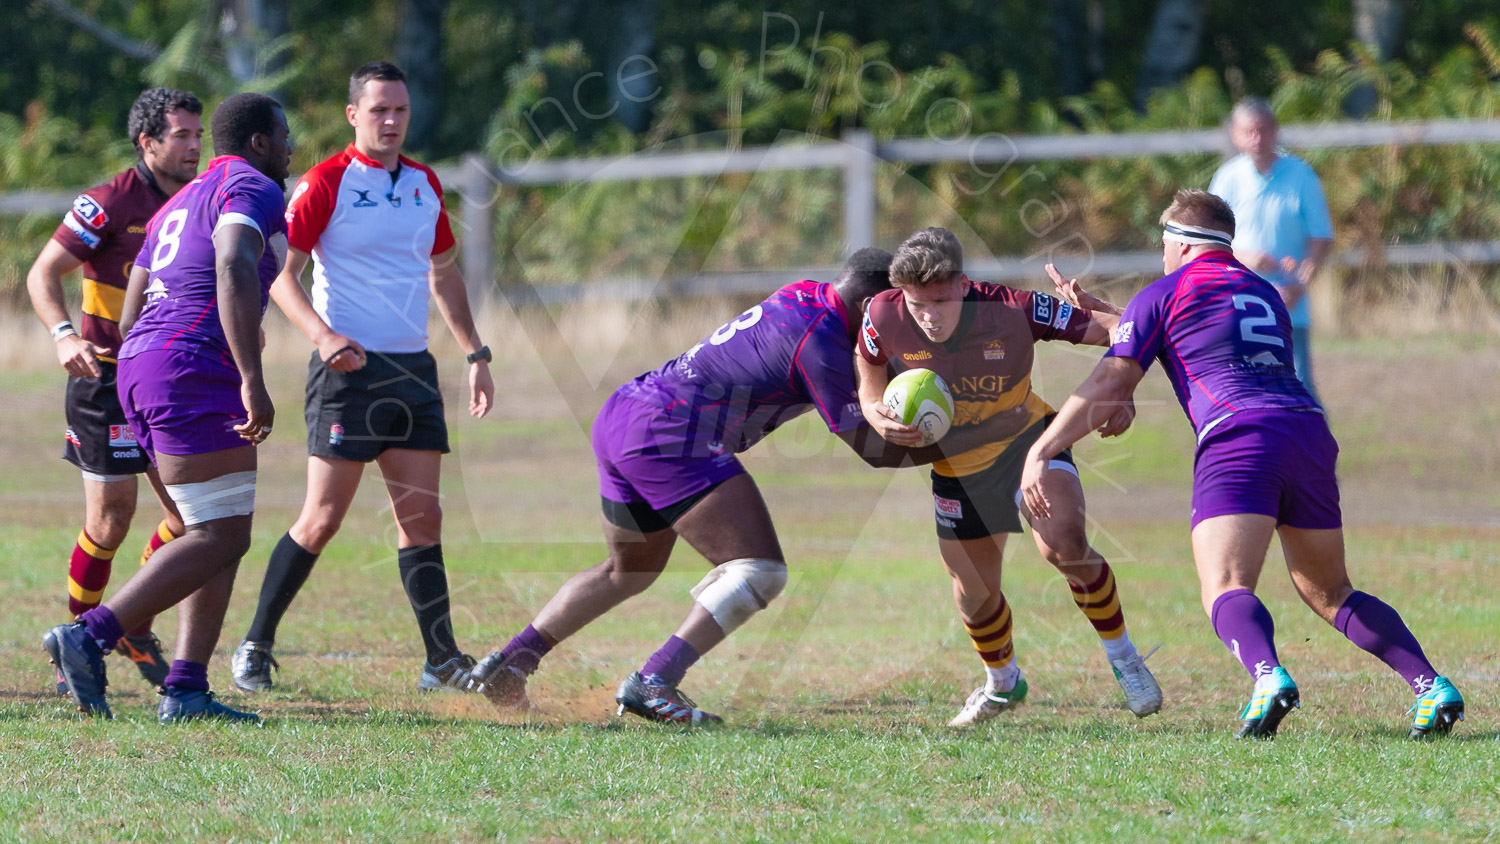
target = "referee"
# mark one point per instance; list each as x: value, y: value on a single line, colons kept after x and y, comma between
x: 372, y: 221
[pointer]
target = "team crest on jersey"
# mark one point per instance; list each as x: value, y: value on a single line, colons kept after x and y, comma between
x: 1123, y: 331
x: 1041, y: 308
x: 416, y: 197
x: 948, y: 507
x: 994, y: 350
x: 89, y: 212
x: 157, y: 289
x: 870, y: 336
x: 89, y: 239
x: 916, y: 356
x: 121, y: 436
x: 364, y: 200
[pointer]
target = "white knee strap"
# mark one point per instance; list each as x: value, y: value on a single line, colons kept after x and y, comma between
x: 738, y: 589
x: 227, y: 495
x: 1062, y: 465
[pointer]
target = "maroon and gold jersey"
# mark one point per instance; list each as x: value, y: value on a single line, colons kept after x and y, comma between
x: 105, y: 229
x: 987, y: 361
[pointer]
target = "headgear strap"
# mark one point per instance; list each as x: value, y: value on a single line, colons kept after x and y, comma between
x: 1198, y: 235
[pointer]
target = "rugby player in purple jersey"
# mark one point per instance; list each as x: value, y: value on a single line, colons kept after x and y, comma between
x: 191, y: 385
x: 1264, y: 463
x: 666, y: 444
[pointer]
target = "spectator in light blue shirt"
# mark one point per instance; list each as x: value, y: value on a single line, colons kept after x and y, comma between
x: 1282, y: 227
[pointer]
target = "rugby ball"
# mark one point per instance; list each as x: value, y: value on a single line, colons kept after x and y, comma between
x: 921, y: 398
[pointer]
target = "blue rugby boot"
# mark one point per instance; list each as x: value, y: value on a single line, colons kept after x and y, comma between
x: 1437, y: 709
x: 1274, y: 697
x: 80, y: 665
x: 178, y: 705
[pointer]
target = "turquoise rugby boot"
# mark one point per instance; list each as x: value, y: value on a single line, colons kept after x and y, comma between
x: 1437, y: 709
x: 1275, y: 695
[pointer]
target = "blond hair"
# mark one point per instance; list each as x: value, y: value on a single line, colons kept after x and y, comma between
x: 931, y: 256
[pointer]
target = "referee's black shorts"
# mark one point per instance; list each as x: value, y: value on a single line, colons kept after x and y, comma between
x: 393, y: 401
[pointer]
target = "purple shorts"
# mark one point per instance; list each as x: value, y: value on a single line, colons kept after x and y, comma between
x: 642, y: 456
x: 1276, y: 463
x: 180, y: 403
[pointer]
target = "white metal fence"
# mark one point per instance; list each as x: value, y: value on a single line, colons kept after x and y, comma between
x: 481, y: 183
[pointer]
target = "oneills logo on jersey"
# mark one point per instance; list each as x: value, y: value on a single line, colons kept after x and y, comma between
x: 994, y: 350
x: 915, y: 356
x: 89, y: 212
x: 870, y: 336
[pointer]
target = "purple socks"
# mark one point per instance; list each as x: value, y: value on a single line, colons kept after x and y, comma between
x: 1374, y: 626
x: 1245, y: 627
x: 103, y: 627
x: 671, y: 662
x: 188, y: 676
x: 524, y: 653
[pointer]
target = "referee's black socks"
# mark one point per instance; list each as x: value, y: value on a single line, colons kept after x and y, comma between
x: 426, y: 583
x: 288, y: 570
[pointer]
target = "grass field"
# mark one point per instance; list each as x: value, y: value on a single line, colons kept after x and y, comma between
x: 836, y: 697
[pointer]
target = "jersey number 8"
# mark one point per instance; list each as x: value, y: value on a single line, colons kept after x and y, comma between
x: 168, y: 239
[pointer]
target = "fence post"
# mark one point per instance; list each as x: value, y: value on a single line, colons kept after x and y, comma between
x: 479, y: 190
x: 859, y: 190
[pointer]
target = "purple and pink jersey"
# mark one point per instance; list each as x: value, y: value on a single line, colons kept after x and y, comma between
x: 784, y: 356
x: 181, y: 312
x: 1223, y: 336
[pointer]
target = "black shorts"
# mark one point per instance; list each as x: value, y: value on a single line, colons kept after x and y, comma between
x: 641, y: 517
x: 984, y: 503
x: 392, y: 401
x: 98, y: 439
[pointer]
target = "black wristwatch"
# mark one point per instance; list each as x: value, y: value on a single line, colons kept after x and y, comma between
x: 482, y: 355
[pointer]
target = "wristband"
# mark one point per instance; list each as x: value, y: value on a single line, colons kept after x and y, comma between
x: 482, y: 355
x: 63, y: 329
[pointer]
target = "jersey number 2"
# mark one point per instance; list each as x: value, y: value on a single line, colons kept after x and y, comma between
x: 1248, y: 324
x: 734, y: 326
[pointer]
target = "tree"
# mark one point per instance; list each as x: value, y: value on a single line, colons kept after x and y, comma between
x: 1173, y: 48
x: 419, y: 52
x: 1377, y: 25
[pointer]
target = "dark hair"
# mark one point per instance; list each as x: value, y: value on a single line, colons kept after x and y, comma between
x: 1200, y: 208
x: 865, y: 274
x: 931, y: 256
x: 384, y: 71
x: 148, y: 114
x: 239, y: 118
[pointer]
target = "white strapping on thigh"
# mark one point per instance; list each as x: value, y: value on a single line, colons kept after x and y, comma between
x: 227, y: 495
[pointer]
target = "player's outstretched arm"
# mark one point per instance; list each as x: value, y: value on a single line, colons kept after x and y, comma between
x: 44, y: 285
x: 447, y: 285
x: 237, y: 252
x: 1095, y: 405
x: 341, y: 353
x: 1105, y: 315
x: 880, y: 454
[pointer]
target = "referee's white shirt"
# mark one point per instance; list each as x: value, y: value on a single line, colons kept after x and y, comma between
x: 372, y: 235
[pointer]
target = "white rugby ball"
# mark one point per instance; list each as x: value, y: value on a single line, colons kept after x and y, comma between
x: 921, y: 398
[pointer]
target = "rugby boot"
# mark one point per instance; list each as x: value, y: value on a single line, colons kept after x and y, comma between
x: 1274, y: 696
x: 451, y: 676
x: 651, y: 698
x: 502, y: 684
x: 1142, y: 693
x: 145, y: 652
x: 1437, y: 709
x: 984, y: 704
x: 80, y: 661
x: 179, y: 705
x: 251, y: 666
